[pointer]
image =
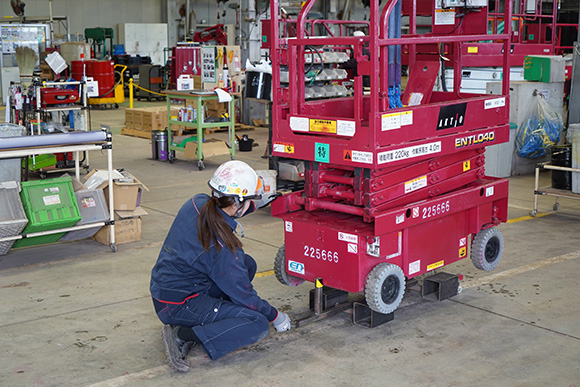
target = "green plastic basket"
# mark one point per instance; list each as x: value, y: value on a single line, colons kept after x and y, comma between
x: 49, y: 204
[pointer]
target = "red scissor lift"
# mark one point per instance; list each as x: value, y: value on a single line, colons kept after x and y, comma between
x: 391, y: 193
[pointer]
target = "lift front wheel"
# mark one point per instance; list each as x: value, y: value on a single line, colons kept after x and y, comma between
x: 385, y: 288
x: 280, y: 269
x: 486, y: 249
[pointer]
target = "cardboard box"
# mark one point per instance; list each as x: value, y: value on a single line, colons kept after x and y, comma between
x: 197, y: 83
x: 211, y: 147
x: 129, y: 121
x: 127, y: 228
x: 126, y: 195
x: 545, y: 68
x: 154, y: 119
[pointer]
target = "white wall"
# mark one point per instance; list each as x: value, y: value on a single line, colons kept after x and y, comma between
x: 93, y: 13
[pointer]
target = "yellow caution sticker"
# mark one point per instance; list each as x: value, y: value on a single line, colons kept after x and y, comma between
x: 472, y: 50
x: 462, y: 252
x: 466, y: 166
x: 435, y: 265
x: 323, y: 126
x: 281, y: 147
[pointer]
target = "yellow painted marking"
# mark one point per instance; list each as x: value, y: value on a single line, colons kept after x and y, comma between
x: 264, y: 273
x: 318, y: 283
x: 527, y: 217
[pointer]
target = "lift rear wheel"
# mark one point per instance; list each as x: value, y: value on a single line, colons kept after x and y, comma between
x: 280, y: 269
x: 487, y: 249
x: 385, y: 288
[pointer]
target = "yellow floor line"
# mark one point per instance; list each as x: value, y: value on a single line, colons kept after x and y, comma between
x: 527, y: 217
x: 264, y: 273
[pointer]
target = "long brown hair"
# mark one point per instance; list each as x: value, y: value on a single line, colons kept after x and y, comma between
x: 211, y: 225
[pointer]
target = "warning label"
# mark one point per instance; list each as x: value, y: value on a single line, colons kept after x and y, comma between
x: 415, y: 184
x: 283, y: 148
x: 409, y: 152
x: 362, y: 157
x: 347, y: 155
x: 435, y: 265
x: 323, y: 126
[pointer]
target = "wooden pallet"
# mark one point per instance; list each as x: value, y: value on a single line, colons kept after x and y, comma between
x: 141, y: 133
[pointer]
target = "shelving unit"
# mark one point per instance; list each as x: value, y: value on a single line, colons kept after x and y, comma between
x: 197, y: 100
x: 548, y: 191
x: 73, y: 142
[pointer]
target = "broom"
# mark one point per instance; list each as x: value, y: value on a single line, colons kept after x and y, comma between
x: 26, y: 58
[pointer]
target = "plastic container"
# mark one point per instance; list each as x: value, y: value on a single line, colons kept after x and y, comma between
x: 258, y: 85
x: 12, y: 215
x: 292, y: 170
x: 562, y: 157
x: 10, y: 168
x: 49, y: 204
x: 93, y: 208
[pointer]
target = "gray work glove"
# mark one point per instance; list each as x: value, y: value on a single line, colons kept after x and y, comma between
x: 269, y: 198
x: 282, y: 322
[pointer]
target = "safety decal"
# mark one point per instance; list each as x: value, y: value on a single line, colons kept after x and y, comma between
x: 345, y: 128
x: 390, y: 121
x: 435, y: 265
x: 323, y: 126
x: 414, y: 267
x: 288, y: 226
x: 281, y: 147
x: 472, y: 50
x: 400, y: 219
x: 347, y: 155
x: 415, y: 212
x: 489, y: 191
x: 444, y: 17
x: 299, y: 124
x: 296, y: 267
x: 362, y: 157
x: 352, y: 248
x: 415, y: 184
x: 462, y: 252
x: 494, y: 103
x: 342, y: 236
x: 409, y: 152
x: 463, y: 242
x: 466, y: 165
x: 481, y: 138
x: 321, y: 152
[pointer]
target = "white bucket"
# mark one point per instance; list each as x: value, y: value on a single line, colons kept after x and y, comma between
x: 269, y: 178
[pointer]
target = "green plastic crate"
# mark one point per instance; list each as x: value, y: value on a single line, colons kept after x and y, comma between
x: 39, y: 162
x: 49, y: 204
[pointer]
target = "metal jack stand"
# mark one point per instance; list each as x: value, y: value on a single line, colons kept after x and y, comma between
x: 365, y: 316
x: 441, y: 286
x: 325, y: 302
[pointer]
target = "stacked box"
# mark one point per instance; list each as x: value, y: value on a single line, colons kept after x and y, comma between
x: 151, y: 118
x: 215, y: 108
x: 12, y: 215
x: 93, y: 208
x: 49, y: 205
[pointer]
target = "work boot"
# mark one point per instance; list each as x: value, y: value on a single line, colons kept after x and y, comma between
x: 173, y: 349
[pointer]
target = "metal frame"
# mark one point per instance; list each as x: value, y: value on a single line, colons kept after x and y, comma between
x: 547, y: 191
x: 25, y: 151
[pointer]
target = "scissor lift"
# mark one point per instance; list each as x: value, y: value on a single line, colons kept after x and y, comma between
x: 395, y: 184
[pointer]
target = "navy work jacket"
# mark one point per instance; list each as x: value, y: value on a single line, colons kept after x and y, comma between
x: 184, y: 269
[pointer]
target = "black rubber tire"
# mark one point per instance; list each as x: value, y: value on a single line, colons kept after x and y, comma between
x: 487, y: 249
x: 280, y: 269
x: 385, y: 288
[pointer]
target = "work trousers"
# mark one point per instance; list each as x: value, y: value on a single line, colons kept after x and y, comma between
x: 220, y: 325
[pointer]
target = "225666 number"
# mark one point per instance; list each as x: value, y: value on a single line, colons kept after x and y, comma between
x: 325, y: 255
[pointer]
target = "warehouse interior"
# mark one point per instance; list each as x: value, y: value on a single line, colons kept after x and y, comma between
x: 145, y: 130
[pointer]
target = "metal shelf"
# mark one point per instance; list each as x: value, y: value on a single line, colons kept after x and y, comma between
x: 549, y: 191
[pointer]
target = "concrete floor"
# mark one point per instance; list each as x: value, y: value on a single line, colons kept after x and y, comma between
x: 76, y: 314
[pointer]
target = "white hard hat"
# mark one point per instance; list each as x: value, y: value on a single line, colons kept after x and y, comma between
x: 236, y: 178
x: 358, y: 33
